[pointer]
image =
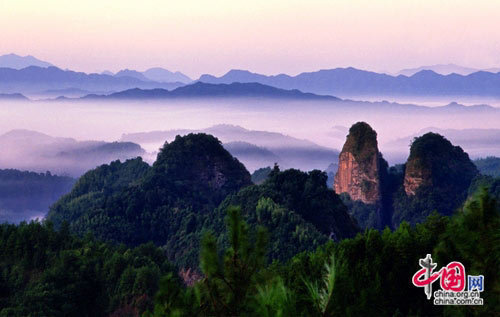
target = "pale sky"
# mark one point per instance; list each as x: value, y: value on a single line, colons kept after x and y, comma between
x: 270, y: 37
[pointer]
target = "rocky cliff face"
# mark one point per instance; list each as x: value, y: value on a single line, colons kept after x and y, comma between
x: 435, y: 162
x: 359, y: 165
x: 416, y: 177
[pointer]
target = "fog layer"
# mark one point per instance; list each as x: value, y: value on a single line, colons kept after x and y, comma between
x: 324, y: 123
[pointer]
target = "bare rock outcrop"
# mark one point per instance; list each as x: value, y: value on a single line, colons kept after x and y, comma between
x: 359, y: 165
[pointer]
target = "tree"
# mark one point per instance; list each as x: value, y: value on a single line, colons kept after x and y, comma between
x: 322, y: 295
x: 231, y: 280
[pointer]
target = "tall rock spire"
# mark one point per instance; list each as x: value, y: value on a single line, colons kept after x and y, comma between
x: 359, y: 165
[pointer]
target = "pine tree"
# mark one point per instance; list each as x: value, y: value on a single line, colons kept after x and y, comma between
x: 231, y: 280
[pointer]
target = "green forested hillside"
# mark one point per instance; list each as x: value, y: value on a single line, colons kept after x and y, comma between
x: 26, y: 195
x: 173, y: 202
x: 198, y: 204
x: 298, y: 210
x: 52, y: 273
x: 489, y: 166
x: 369, y: 275
x: 446, y: 172
x: 167, y: 203
x: 260, y: 175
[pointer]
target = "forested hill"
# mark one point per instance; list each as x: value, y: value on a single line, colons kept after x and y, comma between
x: 173, y: 202
x: 27, y: 195
x: 185, y: 203
x: 167, y: 203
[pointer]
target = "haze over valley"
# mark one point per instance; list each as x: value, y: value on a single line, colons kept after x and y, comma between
x: 249, y: 158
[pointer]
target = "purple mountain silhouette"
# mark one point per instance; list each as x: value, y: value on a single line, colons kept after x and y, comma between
x: 354, y: 82
x: 19, y: 62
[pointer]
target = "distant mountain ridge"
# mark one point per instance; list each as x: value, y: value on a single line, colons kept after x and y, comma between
x: 18, y: 97
x: 34, y: 79
x: 28, y: 75
x: 204, y: 90
x: 253, y: 148
x: 15, y: 61
x: 477, y: 142
x: 35, y: 151
x: 446, y: 69
x: 157, y: 74
x: 131, y: 73
x: 164, y: 75
x: 345, y: 82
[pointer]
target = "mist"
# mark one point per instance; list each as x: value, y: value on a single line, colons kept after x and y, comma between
x: 325, y: 123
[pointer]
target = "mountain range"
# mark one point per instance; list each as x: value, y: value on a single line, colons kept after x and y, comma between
x: 253, y: 148
x: 157, y: 74
x: 19, y: 62
x: 35, y: 151
x: 204, y: 90
x: 15, y: 96
x: 34, y: 79
x: 187, y: 191
x: 28, y: 75
x: 351, y: 82
x: 446, y: 69
x: 477, y: 142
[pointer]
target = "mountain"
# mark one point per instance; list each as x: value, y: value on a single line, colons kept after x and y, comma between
x: 351, y: 82
x: 476, y: 142
x: 157, y: 74
x: 299, y: 211
x: 163, y: 75
x: 27, y: 195
x: 15, y: 97
x: 107, y: 72
x: 437, y: 176
x: 435, y: 162
x: 34, y: 79
x: 204, y: 90
x: 19, y: 62
x: 489, y: 166
x: 67, y: 92
x: 131, y: 73
x: 187, y: 191
x: 168, y: 203
x: 252, y: 156
x: 362, y: 178
x: 290, y: 152
x: 260, y: 175
x: 359, y: 165
x: 443, y: 69
x: 34, y: 151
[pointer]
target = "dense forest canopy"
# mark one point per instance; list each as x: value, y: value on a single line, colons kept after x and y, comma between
x: 177, y: 199
x: 45, y: 272
x: 489, y: 166
x: 192, y: 236
x: 446, y: 173
x: 27, y: 195
x: 53, y: 273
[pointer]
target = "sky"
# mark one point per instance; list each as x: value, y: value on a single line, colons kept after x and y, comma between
x: 269, y: 37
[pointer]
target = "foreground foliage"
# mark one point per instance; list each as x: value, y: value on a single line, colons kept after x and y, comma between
x: 44, y: 272
x: 52, y: 273
x: 367, y: 275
